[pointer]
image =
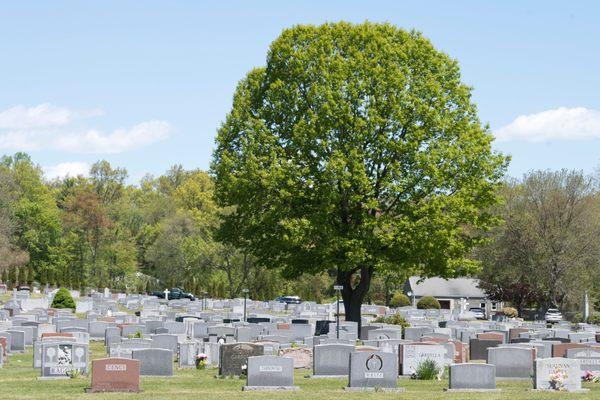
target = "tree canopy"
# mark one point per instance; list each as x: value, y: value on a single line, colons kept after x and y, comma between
x: 356, y: 148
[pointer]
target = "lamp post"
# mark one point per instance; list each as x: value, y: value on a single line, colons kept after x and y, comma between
x: 204, y: 293
x: 338, y: 289
x: 245, y: 298
x: 412, y: 299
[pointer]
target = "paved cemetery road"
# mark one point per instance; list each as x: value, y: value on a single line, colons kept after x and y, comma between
x: 18, y: 381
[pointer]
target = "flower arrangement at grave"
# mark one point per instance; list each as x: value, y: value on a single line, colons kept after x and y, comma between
x: 201, y: 361
x: 73, y: 373
x: 244, y: 370
x: 557, y: 379
x: 589, y: 376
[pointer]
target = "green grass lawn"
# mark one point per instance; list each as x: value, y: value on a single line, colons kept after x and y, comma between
x: 18, y: 381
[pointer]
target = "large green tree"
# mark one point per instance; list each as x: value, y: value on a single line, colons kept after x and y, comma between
x: 356, y: 148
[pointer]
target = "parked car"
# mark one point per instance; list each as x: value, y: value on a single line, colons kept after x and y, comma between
x: 478, y: 312
x: 174, y: 294
x: 289, y: 299
x: 24, y: 288
x: 553, y: 315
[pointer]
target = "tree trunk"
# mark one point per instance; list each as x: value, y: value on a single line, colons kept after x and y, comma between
x: 353, y: 294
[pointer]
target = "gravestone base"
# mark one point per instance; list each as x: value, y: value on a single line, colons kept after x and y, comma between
x: 471, y: 390
x: 504, y: 379
x: 560, y: 391
x: 270, y: 388
x: 328, y: 376
x: 90, y: 390
x: 52, y: 378
x: 374, y: 389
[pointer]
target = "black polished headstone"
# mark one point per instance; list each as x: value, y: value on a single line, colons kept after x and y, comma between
x: 257, y: 320
x: 322, y: 327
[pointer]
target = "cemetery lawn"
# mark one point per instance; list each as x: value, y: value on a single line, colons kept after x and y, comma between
x: 18, y: 381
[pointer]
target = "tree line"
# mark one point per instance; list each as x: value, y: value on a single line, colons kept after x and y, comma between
x: 98, y: 231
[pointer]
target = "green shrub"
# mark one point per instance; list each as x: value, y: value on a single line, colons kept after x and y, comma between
x: 63, y: 299
x: 137, y: 335
x: 427, y: 370
x: 395, y: 319
x: 594, y: 318
x: 577, y: 318
x: 428, y: 302
x: 399, y: 300
x: 510, y: 312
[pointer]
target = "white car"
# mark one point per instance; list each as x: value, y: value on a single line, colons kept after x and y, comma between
x: 478, y: 312
x: 553, y: 315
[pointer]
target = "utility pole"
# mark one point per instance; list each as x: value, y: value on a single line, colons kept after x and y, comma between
x: 245, y: 299
x: 338, y: 289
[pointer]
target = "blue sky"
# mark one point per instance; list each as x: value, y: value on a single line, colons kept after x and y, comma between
x: 146, y: 84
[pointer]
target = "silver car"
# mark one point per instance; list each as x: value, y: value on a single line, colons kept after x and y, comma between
x: 553, y: 315
x: 478, y: 312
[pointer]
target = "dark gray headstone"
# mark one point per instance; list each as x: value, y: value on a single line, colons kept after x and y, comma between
x: 154, y: 362
x: 165, y: 341
x: 373, y: 369
x: 233, y: 357
x: 332, y: 359
x: 511, y: 362
x: 478, y: 348
x: 97, y: 329
x: 270, y: 371
x: 472, y: 376
x: 111, y: 332
x: 17, y: 340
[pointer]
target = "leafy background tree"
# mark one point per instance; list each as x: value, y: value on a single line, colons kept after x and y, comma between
x: 37, y: 228
x: 356, y: 148
x: 10, y: 253
x: 546, y: 252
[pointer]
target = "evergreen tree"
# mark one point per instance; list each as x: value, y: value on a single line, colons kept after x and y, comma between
x: 12, y: 276
x: 63, y: 299
x: 30, y: 275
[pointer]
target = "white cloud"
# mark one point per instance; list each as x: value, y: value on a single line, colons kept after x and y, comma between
x: 46, y: 127
x: 562, y: 123
x: 65, y: 169
x: 118, y: 141
x: 41, y: 116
